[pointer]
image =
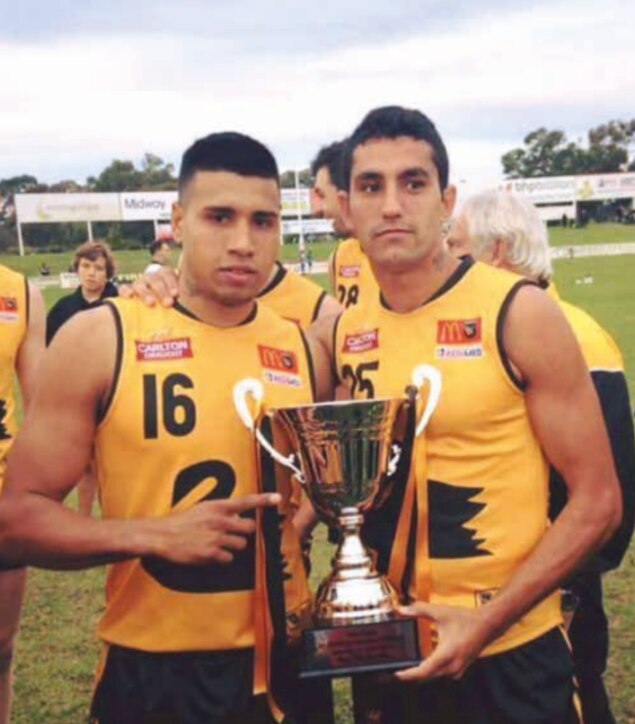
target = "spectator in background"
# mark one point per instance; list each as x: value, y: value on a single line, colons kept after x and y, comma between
x: 161, y: 252
x: 95, y: 266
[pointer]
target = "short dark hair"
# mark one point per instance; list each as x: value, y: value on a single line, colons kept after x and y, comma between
x: 393, y: 122
x: 228, y: 151
x: 330, y: 157
x: 93, y: 250
x: 157, y: 244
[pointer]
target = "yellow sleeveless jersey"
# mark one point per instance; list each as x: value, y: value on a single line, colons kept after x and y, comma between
x: 480, y: 477
x: 171, y: 437
x: 293, y: 296
x: 598, y: 347
x: 354, y: 279
x: 14, y: 316
x: 606, y: 366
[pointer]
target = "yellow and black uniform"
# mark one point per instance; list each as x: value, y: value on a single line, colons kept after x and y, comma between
x: 171, y: 437
x: 293, y: 296
x: 589, y: 632
x: 14, y: 319
x: 353, y: 277
x: 606, y: 365
x: 455, y: 537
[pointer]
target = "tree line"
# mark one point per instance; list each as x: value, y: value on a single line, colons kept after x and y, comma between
x: 549, y: 153
x: 154, y: 174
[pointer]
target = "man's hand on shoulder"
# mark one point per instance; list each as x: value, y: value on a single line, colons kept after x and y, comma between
x: 161, y: 287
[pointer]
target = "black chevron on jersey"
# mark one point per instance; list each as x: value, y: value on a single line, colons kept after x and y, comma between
x: 450, y: 507
x: 4, y: 433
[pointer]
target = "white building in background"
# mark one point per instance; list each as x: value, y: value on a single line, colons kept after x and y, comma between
x: 555, y: 196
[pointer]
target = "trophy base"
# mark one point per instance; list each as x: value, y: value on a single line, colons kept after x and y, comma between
x: 360, y: 648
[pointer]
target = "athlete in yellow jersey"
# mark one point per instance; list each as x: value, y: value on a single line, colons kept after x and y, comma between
x: 295, y: 297
x: 21, y: 346
x: 505, y: 230
x: 510, y: 342
x: 352, y: 278
x: 350, y: 274
x: 200, y: 550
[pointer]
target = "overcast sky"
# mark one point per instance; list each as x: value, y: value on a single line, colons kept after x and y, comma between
x: 84, y: 82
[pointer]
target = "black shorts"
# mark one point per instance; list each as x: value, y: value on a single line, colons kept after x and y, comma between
x: 138, y: 687
x: 531, y: 684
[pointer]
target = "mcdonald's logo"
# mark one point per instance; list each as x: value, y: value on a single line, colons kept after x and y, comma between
x: 279, y: 360
x: 459, y: 331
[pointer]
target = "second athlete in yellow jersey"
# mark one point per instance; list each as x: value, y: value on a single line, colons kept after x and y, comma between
x: 480, y: 463
x: 352, y: 277
x: 293, y: 296
x: 13, y: 326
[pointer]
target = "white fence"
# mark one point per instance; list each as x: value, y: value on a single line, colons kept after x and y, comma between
x: 573, y: 252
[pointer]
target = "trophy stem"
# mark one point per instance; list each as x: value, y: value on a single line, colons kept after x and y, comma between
x: 354, y: 592
x: 351, y: 559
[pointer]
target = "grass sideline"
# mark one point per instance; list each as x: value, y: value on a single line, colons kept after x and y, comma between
x: 57, y: 651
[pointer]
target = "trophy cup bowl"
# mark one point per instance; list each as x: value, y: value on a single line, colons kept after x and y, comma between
x: 348, y: 453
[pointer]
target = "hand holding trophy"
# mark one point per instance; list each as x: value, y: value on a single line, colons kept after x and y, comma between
x: 348, y: 456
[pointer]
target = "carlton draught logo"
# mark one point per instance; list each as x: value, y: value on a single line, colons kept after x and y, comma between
x: 280, y: 366
x: 8, y: 309
x: 459, y: 338
x: 361, y: 341
x: 349, y: 271
x: 164, y: 349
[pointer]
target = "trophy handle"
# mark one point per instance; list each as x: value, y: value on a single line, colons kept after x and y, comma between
x: 252, y: 387
x: 431, y: 375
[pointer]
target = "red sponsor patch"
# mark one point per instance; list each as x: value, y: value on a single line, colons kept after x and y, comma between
x: 8, y: 309
x: 349, y: 271
x: 280, y: 360
x: 163, y: 349
x: 459, y: 331
x: 361, y: 342
x: 8, y: 304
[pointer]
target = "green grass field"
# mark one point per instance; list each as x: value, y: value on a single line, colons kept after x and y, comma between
x: 58, y: 650
x: 131, y: 262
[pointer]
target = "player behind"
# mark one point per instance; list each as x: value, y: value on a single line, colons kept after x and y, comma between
x: 349, y: 271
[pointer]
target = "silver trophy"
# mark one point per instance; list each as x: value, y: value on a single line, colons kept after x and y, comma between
x: 348, y: 453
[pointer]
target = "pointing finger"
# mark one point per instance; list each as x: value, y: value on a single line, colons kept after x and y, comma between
x: 250, y: 502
